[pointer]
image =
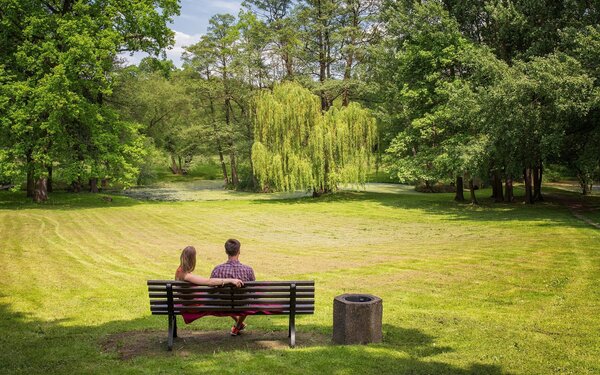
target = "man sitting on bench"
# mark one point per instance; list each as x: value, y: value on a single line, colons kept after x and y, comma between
x: 233, y: 269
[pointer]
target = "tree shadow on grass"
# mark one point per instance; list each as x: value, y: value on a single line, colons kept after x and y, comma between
x: 33, y: 346
x: 65, y: 201
x: 314, y: 351
x: 551, y: 212
x: 132, y: 344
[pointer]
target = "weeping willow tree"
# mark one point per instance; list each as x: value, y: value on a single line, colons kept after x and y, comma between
x: 298, y: 147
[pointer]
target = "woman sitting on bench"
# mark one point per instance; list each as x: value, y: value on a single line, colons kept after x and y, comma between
x: 187, y: 264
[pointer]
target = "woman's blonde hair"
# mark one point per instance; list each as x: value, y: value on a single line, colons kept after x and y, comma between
x: 187, y: 261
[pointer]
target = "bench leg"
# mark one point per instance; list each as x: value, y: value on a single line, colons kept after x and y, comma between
x: 175, y: 326
x: 292, y: 331
x: 171, y: 332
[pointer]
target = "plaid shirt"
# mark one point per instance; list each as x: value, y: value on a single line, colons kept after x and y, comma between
x: 233, y: 269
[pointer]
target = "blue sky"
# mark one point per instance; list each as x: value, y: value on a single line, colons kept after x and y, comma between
x: 191, y: 24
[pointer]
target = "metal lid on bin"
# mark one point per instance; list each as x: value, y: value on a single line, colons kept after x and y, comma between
x: 358, y: 299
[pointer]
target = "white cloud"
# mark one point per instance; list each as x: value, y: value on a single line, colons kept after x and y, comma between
x: 174, y: 53
x: 228, y: 5
x: 181, y: 40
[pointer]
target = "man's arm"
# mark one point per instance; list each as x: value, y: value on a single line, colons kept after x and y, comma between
x: 215, y: 273
x: 252, y: 277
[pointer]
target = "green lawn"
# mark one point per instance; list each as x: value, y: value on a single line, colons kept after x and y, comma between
x: 492, y: 289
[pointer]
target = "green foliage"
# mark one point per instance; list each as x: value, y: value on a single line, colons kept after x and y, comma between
x: 220, y: 71
x: 432, y: 106
x: 154, y: 65
x: 521, y: 29
x: 159, y: 104
x: 273, y: 26
x: 57, y: 63
x: 454, y: 107
x: 297, y: 147
x: 530, y: 108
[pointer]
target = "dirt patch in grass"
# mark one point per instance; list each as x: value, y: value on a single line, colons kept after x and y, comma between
x: 128, y: 345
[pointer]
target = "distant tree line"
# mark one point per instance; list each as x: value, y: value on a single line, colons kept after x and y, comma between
x: 490, y: 89
x: 212, y: 106
x: 286, y: 93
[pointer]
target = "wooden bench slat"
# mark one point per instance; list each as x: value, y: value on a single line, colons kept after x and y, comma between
x: 287, y: 312
x: 233, y: 302
x: 235, y: 296
x: 227, y: 309
x: 212, y: 289
x: 230, y: 290
x: 250, y: 283
x: 230, y: 301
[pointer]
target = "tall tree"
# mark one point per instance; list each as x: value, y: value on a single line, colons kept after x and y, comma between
x: 200, y: 60
x: 297, y: 146
x: 581, y: 149
x: 320, y: 19
x: 528, y: 111
x: 425, y: 64
x: 59, y: 60
x: 223, y: 34
x: 360, y: 28
x: 281, y: 28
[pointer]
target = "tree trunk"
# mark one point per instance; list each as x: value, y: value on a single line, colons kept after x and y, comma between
x: 328, y: 54
x: 322, y: 59
x: 584, y: 189
x: 30, y: 183
x: 50, y: 189
x: 76, y: 185
x: 537, y: 184
x: 494, y: 186
x: 508, y: 191
x: 472, y: 191
x: 346, y: 92
x: 460, y: 194
x: 498, y: 182
x: 219, y: 147
x: 179, y: 166
x: 350, y: 59
x: 232, y: 162
x: 528, y: 188
x: 223, y: 166
x: 187, y: 163
x: 93, y: 185
x: 234, y: 175
x: 30, y: 177
x: 41, y: 190
x: 289, y: 71
x: 104, y: 183
x: 583, y: 182
x: 174, y: 167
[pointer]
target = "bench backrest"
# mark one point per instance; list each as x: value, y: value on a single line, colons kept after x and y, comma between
x: 275, y: 297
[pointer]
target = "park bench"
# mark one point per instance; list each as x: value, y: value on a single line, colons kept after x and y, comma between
x: 172, y: 298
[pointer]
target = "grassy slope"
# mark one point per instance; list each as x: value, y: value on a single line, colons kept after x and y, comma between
x: 493, y: 289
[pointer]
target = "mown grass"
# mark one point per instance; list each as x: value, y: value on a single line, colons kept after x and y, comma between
x: 490, y: 289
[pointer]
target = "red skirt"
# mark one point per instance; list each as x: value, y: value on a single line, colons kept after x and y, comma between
x: 190, y: 317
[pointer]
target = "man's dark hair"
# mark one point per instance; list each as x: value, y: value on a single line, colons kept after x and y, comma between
x: 232, y: 247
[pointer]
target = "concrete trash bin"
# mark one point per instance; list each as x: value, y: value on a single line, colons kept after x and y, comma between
x: 357, y: 319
